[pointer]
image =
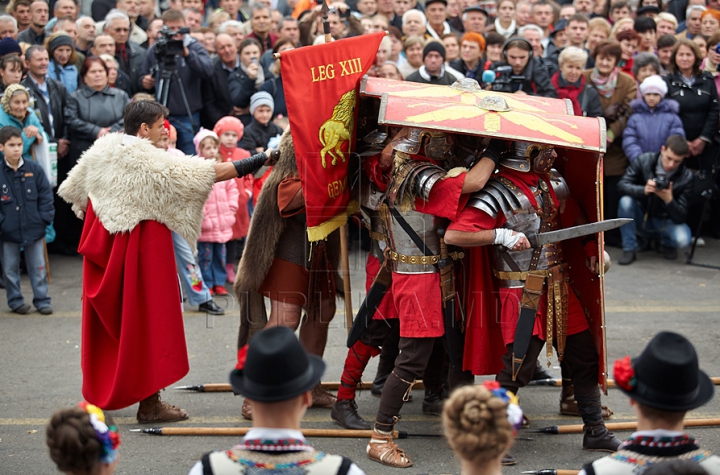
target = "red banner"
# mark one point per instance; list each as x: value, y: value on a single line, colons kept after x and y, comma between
x: 320, y: 84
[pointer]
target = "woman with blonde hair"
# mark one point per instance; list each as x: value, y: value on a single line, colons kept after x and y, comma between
x: 620, y: 26
x: 480, y: 424
x: 413, y: 50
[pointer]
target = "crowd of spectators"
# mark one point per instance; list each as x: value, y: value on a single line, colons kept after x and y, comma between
x: 81, y: 64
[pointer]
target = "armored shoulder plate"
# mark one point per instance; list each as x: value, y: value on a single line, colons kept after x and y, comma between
x: 499, y: 196
x: 559, y: 185
x: 412, y: 178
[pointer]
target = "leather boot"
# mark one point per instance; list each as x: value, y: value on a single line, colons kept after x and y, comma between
x: 322, y: 398
x: 541, y: 373
x: 433, y: 403
x: 381, y: 447
x: 246, y: 410
x: 344, y: 412
x: 569, y: 407
x: 508, y: 460
x: 385, y: 367
x: 598, y: 438
x: 153, y: 410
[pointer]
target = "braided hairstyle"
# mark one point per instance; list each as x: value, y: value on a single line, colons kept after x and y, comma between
x: 73, y: 442
x: 476, y: 424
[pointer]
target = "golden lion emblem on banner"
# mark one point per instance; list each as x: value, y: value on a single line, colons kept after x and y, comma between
x: 338, y: 129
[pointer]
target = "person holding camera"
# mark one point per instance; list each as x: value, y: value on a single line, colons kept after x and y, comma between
x: 522, y: 72
x: 656, y: 189
x: 192, y: 64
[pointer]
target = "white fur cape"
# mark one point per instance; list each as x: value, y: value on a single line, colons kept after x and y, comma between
x: 129, y: 180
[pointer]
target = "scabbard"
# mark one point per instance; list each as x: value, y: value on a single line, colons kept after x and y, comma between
x: 370, y: 305
x: 529, y: 303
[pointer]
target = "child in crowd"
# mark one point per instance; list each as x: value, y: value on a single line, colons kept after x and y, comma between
x: 259, y: 132
x: 167, y: 142
x: 653, y: 120
x: 230, y: 131
x: 217, y: 228
x: 11, y: 70
x: 26, y: 209
x: 83, y: 440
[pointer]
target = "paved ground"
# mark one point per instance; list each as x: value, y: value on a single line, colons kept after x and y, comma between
x: 40, y: 371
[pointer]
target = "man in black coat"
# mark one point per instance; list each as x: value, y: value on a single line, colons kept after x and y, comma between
x: 518, y: 56
x: 433, y: 69
x: 657, y: 189
x: 50, y: 97
x: 229, y: 89
x: 129, y: 55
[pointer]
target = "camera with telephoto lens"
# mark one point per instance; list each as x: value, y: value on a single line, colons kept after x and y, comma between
x: 661, y: 183
x: 505, y: 80
x: 167, y: 48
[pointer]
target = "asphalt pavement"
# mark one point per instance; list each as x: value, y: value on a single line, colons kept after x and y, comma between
x: 40, y: 372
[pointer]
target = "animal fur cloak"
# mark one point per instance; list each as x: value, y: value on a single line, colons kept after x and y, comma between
x: 266, y: 227
x: 132, y: 195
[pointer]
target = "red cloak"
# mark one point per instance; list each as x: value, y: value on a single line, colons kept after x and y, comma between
x: 133, y: 339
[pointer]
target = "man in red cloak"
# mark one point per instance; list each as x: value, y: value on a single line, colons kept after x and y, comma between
x: 129, y: 192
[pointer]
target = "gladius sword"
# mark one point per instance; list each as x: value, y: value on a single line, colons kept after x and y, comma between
x: 540, y: 239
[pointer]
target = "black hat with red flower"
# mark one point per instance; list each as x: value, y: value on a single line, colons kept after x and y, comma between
x: 665, y: 376
x: 274, y: 367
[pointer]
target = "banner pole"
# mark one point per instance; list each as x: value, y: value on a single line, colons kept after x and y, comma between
x: 345, y: 273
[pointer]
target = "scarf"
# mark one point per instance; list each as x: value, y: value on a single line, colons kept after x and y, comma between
x: 569, y: 91
x: 121, y: 49
x: 260, y: 79
x: 605, y: 86
x: 10, y: 91
x: 505, y: 32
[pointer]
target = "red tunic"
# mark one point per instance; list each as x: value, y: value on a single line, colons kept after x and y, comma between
x: 133, y: 339
x: 483, y: 351
x: 386, y: 309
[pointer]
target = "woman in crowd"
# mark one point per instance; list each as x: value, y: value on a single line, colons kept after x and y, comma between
x: 274, y: 85
x: 16, y: 112
x: 666, y: 24
x: 571, y: 84
x: 413, y: 51
x: 11, y: 70
x: 696, y: 93
x: 712, y: 59
x: 620, y: 26
x: 494, y: 43
x: 701, y: 42
x: 61, y: 50
x: 709, y: 22
x: 505, y: 21
x: 254, y: 76
x: 645, y: 65
x: 83, y: 440
x: 452, y: 47
x: 616, y: 90
x: 629, y: 41
x: 116, y: 77
x: 598, y: 31
x: 93, y: 111
x: 480, y: 424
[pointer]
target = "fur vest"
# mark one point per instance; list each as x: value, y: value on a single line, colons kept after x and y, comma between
x: 266, y: 227
x: 129, y: 180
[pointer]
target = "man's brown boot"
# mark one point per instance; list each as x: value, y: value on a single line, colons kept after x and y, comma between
x: 569, y: 407
x: 381, y: 448
x: 152, y: 410
x: 322, y: 397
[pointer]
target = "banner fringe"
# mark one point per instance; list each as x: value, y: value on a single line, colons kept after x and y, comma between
x: 322, y: 231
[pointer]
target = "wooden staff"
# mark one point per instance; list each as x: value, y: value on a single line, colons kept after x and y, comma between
x: 345, y: 263
x: 578, y: 428
x: 552, y: 471
x: 225, y: 388
x: 611, y: 383
x: 235, y: 431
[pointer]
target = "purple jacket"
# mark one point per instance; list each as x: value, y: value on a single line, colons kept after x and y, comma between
x: 647, y: 130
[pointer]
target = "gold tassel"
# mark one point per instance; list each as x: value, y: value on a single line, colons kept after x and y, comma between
x: 549, y: 321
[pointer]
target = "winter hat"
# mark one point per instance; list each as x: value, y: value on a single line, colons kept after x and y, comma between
x: 62, y: 39
x: 203, y: 134
x: 434, y: 46
x: 9, y: 46
x: 653, y: 85
x: 10, y: 91
x: 229, y: 124
x: 261, y: 98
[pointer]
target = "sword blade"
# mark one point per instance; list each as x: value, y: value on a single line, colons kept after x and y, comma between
x: 578, y: 231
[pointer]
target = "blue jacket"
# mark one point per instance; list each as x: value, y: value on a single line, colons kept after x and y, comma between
x: 30, y: 119
x: 647, y: 130
x: 26, y: 203
x: 67, y: 75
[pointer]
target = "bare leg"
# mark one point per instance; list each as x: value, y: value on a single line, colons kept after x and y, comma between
x: 284, y: 314
x: 314, y: 330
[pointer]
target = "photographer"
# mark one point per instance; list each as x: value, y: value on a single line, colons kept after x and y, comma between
x: 520, y: 72
x: 656, y: 189
x: 193, y: 65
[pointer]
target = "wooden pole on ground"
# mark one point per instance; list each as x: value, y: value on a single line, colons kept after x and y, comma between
x: 611, y: 383
x: 224, y: 387
x: 578, y: 428
x: 345, y: 265
x: 235, y: 431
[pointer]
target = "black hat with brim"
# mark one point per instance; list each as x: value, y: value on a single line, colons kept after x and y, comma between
x: 276, y: 368
x: 647, y: 9
x: 476, y: 8
x: 667, y: 375
x: 429, y: 2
